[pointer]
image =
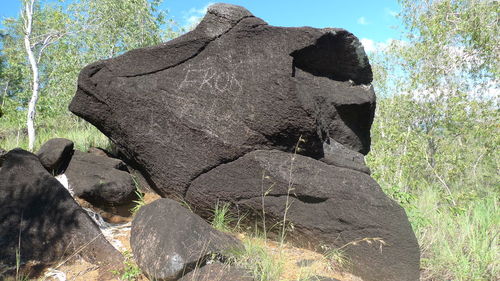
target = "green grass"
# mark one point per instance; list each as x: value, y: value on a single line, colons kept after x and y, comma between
x: 221, y: 218
x: 139, y: 202
x: 83, y: 134
x: 458, y: 242
x: 459, y: 246
x: 261, y: 264
x: 131, y: 270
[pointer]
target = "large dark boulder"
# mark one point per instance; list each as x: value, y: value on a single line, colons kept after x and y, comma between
x: 55, y: 154
x: 328, y: 206
x: 39, y: 218
x: 168, y: 240
x: 204, y: 115
x: 100, y: 180
x: 232, y: 85
x: 217, y: 272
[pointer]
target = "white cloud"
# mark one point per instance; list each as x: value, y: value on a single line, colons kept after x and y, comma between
x: 368, y: 44
x: 372, y: 46
x: 363, y: 21
x: 194, y: 15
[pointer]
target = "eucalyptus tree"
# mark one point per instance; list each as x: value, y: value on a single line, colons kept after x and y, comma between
x: 436, y: 133
x: 63, y: 38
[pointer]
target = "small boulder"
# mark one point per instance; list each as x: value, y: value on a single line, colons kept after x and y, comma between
x: 55, y: 154
x: 40, y: 219
x: 168, y: 240
x: 217, y: 272
x: 100, y: 180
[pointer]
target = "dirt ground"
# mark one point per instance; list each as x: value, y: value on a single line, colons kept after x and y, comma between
x: 298, y: 263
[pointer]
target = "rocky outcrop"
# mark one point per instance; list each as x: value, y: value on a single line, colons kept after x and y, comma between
x: 40, y: 220
x: 168, y: 240
x: 232, y: 85
x: 217, y: 272
x: 209, y: 115
x: 327, y: 205
x: 55, y: 154
x: 99, y: 179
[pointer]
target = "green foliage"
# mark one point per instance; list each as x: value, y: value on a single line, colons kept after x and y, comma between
x: 81, y: 133
x: 436, y: 131
x: 139, y: 202
x: 87, y: 31
x: 222, y: 218
x: 131, y: 270
x: 258, y: 261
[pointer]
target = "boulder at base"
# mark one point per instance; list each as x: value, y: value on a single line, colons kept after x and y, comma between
x: 232, y: 85
x: 328, y: 206
x: 168, y: 240
x: 40, y: 219
x: 217, y: 272
x: 99, y: 179
x: 55, y: 154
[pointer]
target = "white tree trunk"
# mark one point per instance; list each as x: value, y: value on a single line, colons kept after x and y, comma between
x: 28, y: 22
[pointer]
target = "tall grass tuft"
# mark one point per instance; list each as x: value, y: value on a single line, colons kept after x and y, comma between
x: 459, y: 245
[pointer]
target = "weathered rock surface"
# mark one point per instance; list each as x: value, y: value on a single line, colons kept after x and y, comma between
x: 202, y: 116
x: 55, y: 154
x: 329, y: 206
x: 232, y: 85
x: 338, y: 155
x: 40, y: 215
x: 100, y: 179
x: 217, y: 272
x: 168, y: 240
x: 2, y: 155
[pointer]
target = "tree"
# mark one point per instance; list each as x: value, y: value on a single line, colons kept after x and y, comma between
x: 64, y: 38
x: 436, y: 134
x: 34, y: 45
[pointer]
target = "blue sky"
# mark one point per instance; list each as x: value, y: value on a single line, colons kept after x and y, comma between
x: 372, y: 21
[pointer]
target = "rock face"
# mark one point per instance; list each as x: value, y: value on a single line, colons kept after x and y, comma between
x: 39, y: 214
x: 328, y: 206
x: 217, y: 272
x: 55, y: 154
x: 232, y: 85
x: 168, y: 240
x: 338, y: 155
x: 100, y: 179
x: 205, y: 115
x: 2, y: 155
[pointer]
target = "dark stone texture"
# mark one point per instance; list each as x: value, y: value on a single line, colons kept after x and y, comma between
x: 217, y: 272
x: 329, y: 206
x: 39, y: 211
x: 55, y: 154
x: 168, y: 240
x: 338, y: 155
x: 232, y: 85
x: 99, y: 179
x: 2, y: 155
